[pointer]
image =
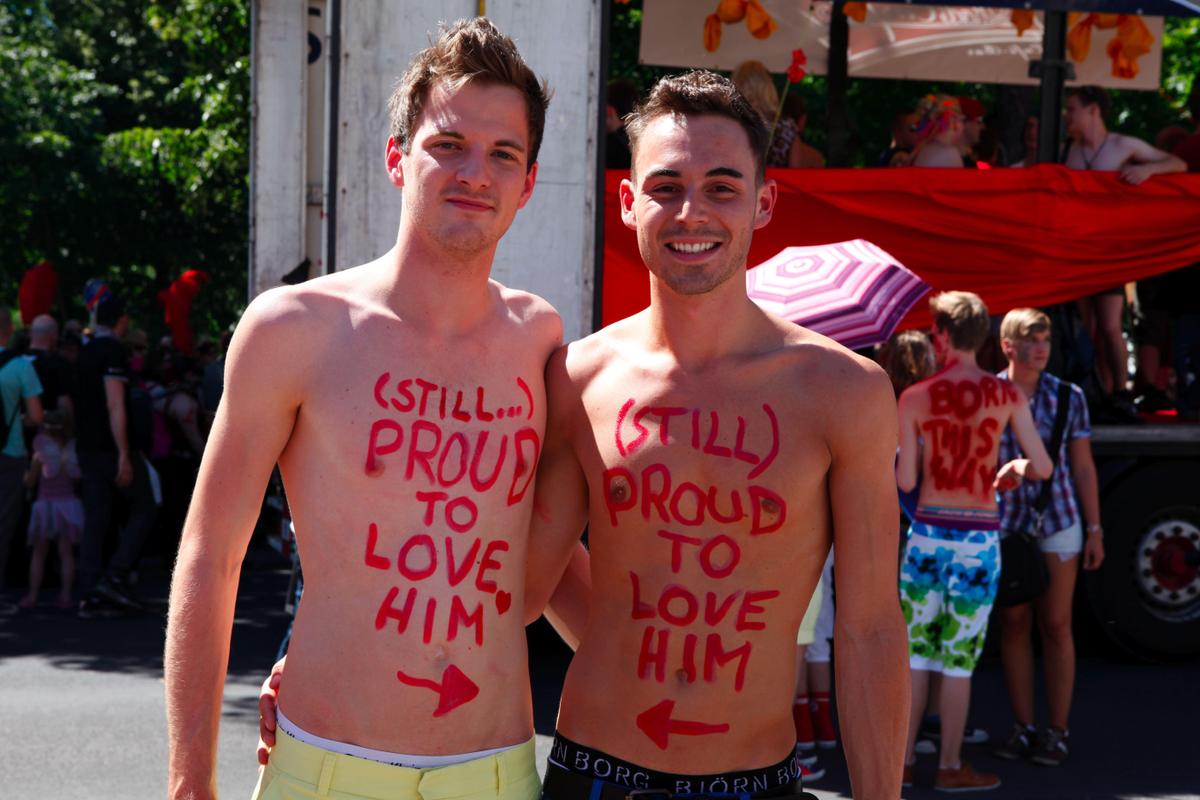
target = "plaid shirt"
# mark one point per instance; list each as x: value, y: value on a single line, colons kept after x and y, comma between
x: 1017, y: 506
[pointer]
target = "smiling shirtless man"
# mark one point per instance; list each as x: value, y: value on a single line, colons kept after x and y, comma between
x: 715, y: 452
x: 404, y: 403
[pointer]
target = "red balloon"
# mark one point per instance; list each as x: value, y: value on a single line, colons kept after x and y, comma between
x: 176, y: 301
x: 36, y: 295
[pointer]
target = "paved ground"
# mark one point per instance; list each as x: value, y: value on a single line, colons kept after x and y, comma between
x: 81, y: 711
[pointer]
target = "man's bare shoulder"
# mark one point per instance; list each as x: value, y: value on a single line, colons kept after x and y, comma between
x: 843, y: 372
x: 304, y: 305
x: 527, y: 308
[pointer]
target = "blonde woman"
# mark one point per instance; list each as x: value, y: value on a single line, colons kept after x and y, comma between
x: 758, y: 87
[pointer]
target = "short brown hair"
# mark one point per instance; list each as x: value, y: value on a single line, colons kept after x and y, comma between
x: 1021, y: 324
x: 907, y: 358
x: 468, y: 50
x: 701, y: 92
x: 1092, y: 96
x: 963, y: 316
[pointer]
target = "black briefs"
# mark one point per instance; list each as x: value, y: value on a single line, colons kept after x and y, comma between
x: 576, y: 772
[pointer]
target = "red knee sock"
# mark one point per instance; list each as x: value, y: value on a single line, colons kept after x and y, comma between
x: 823, y: 720
x: 802, y: 717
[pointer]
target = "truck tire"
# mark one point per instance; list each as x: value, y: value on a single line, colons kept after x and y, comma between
x: 1146, y: 594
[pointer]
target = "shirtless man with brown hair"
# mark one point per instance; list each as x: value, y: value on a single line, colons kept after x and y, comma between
x: 950, y: 427
x: 404, y: 403
x: 715, y: 452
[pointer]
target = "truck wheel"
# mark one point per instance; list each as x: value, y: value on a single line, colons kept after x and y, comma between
x: 1146, y: 594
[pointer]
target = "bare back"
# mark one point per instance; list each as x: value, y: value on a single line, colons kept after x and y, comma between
x: 958, y: 415
x: 408, y: 472
x: 709, y: 521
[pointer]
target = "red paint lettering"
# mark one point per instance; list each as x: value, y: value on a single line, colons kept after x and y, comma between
x: 651, y: 655
x: 375, y: 448
x: 713, y: 613
x: 711, y: 569
x: 641, y: 610
x: 426, y: 388
x: 710, y: 446
x: 678, y: 540
x: 480, y: 414
x: 457, y: 573
x: 417, y: 454
x: 458, y: 412
x: 763, y: 500
x: 991, y: 392
x: 698, y: 494
x: 769, y: 458
x: 690, y: 605
x: 643, y: 431
x: 417, y: 573
x: 624, y: 412
x: 430, y: 612
x: 459, y: 439
x: 483, y: 484
x: 665, y: 414
x: 739, y: 449
x: 689, y: 657
x: 472, y: 514
x: 656, y: 498
x: 403, y: 390
x: 488, y: 564
x: 618, y: 496
x: 525, y: 466
x: 751, y: 604
x: 379, y: 384
x: 715, y: 655
x: 373, y: 560
x: 430, y: 499
x: 735, y: 515
x: 987, y: 434
x: 459, y: 616
x: 388, y: 611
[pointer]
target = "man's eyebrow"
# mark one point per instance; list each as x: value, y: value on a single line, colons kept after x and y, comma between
x: 663, y: 172
x: 727, y: 172
x: 451, y: 134
x: 520, y: 148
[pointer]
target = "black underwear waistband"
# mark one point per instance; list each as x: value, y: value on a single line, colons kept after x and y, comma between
x: 590, y: 763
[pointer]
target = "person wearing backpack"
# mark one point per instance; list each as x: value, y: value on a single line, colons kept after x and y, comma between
x: 18, y: 384
x: 1052, y: 517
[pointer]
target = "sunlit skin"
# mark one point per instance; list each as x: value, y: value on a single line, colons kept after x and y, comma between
x: 466, y: 172
x: 695, y: 186
x: 426, y: 310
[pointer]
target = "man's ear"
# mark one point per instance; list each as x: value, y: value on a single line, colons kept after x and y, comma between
x: 626, y: 195
x: 527, y: 189
x: 768, y: 193
x: 392, y: 156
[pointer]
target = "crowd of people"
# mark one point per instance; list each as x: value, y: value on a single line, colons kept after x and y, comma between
x: 104, y: 434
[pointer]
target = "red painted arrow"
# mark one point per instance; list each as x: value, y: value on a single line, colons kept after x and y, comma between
x: 454, y: 690
x: 657, y: 724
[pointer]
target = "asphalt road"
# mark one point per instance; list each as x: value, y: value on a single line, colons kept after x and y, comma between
x: 81, y: 711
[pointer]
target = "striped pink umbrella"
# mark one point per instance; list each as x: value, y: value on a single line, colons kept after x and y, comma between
x: 852, y: 292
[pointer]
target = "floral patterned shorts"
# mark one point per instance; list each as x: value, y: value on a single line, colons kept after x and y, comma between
x: 947, y: 586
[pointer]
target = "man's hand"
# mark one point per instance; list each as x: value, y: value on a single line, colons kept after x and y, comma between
x: 268, y: 699
x: 1093, y: 551
x: 124, y: 471
x: 1137, y: 173
x: 1009, y: 477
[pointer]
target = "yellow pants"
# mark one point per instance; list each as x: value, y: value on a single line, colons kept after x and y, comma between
x: 299, y: 771
x: 808, y: 625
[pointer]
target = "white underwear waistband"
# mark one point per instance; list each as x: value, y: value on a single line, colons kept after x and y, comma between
x: 382, y: 756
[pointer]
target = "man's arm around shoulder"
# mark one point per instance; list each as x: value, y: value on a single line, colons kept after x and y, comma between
x: 262, y: 395
x: 873, y: 683
x: 559, y: 509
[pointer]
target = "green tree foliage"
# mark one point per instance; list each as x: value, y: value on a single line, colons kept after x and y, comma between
x: 873, y: 101
x: 124, y: 130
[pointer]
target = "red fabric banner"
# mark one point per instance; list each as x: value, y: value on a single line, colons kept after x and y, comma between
x: 1016, y: 237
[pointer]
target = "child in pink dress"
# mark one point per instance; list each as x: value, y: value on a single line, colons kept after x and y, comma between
x: 57, y: 514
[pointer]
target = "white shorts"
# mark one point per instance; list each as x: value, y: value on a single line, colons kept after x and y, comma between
x: 818, y: 651
x: 1065, y: 543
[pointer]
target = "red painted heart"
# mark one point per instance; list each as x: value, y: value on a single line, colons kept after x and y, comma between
x: 503, y: 601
